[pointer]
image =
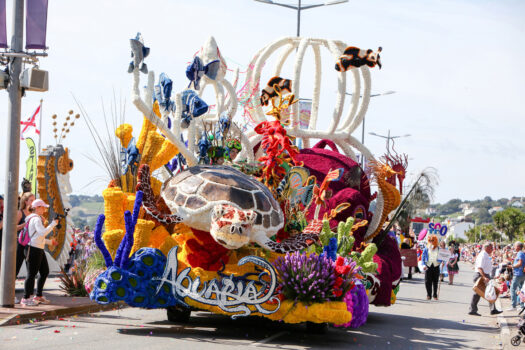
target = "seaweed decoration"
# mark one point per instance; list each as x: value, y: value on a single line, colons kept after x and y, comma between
x: 280, y: 153
x: 98, y: 241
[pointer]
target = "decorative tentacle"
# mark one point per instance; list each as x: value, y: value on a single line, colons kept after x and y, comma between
x: 292, y: 244
x: 148, y: 198
x: 98, y: 241
x: 128, y: 238
x: 122, y: 245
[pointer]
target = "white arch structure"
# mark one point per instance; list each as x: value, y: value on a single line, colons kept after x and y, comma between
x: 339, y: 130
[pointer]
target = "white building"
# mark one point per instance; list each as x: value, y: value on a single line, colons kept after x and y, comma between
x: 458, y: 230
x: 495, y: 210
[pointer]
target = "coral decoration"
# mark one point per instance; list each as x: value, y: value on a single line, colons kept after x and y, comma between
x: 166, y: 153
x: 391, y: 196
x: 147, y: 128
x: 399, y: 164
x: 166, y: 246
x: 275, y: 142
x: 142, y: 234
x: 357, y: 303
x: 151, y: 148
x: 115, y: 202
x: 112, y: 240
x: 158, y: 235
x: 124, y: 134
x: 98, y: 241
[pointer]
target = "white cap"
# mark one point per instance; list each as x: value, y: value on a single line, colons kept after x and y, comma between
x: 39, y: 203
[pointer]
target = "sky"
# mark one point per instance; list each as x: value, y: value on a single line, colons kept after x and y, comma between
x: 454, y: 66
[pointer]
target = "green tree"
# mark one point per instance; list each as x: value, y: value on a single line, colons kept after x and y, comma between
x: 483, y: 232
x: 511, y: 222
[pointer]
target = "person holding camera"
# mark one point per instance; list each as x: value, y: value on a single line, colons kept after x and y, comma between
x: 36, y: 256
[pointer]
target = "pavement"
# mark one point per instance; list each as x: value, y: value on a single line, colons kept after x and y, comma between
x: 412, y: 323
x: 61, y: 305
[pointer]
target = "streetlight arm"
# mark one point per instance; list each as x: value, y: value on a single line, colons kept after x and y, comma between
x: 269, y: 2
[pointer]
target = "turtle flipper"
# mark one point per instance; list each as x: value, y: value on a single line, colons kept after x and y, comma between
x: 148, y: 199
x: 292, y: 244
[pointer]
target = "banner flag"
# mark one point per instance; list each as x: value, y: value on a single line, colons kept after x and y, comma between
x: 31, y: 164
x: 30, y: 124
x: 3, y: 31
x: 36, y: 24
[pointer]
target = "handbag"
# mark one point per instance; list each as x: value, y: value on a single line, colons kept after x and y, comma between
x: 24, y: 238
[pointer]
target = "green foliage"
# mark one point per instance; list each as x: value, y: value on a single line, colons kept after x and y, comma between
x: 511, y: 222
x: 95, y: 261
x: 483, y: 232
x: 345, y: 239
x: 73, y: 284
x: 365, y: 258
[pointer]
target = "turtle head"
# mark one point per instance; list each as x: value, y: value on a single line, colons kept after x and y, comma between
x: 231, y: 227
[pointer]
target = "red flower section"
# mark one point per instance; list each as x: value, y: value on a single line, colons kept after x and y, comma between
x: 205, y: 252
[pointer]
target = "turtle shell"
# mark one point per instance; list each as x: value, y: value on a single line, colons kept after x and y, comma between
x: 204, y: 186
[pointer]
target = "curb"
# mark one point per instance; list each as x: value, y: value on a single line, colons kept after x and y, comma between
x: 17, y: 319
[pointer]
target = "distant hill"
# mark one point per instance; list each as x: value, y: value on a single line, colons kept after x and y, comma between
x: 479, y: 211
x: 86, y: 209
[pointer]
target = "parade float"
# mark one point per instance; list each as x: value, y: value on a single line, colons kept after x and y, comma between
x: 212, y: 211
x: 53, y: 186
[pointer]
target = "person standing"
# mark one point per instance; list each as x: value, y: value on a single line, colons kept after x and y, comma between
x: 483, y: 270
x: 452, y: 265
x: 24, y: 211
x: 36, y: 256
x: 431, y: 267
x: 517, y: 274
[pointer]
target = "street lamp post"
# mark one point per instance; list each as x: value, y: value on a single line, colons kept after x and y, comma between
x: 388, y: 138
x: 299, y: 8
x: 363, y: 126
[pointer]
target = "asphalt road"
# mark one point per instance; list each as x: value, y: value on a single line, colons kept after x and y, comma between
x: 412, y: 323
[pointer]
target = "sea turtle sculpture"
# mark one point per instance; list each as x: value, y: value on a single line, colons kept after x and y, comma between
x: 234, y: 207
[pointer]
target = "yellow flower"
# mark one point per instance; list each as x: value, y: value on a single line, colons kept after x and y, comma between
x: 167, y: 245
x: 112, y: 240
x: 142, y: 234
x: 152, y: 146
x: 158, y: 237
x: 114, y: 200
x: 166, y: 153
x: 156, y: 186
x: 147, y: 127
x: 124, y: 133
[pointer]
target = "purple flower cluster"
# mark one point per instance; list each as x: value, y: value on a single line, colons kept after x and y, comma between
x: 306, y: 278
x: 356, y: 303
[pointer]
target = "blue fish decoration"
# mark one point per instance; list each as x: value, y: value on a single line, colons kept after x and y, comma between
x: 163, y: 93
x: 196, y: 70
x: 138, y: 53
x: 193, y: 107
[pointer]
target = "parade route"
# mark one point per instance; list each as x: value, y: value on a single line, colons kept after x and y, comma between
x: 412, y: 323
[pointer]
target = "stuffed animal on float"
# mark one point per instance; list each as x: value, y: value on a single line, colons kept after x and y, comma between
x: 285, y: 85
x: 53, y: 187
x: 233, y: 207
x: 354, y: 57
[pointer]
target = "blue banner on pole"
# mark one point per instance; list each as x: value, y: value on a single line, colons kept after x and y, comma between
x: 36, y: 24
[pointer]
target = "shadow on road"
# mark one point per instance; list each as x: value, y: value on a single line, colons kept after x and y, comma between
x: 381, y: 331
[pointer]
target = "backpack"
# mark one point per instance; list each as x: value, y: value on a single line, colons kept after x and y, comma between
x: 24, y: 238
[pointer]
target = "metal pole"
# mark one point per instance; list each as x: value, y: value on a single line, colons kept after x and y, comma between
x: 7, y: 274
x: 299, y: 19
x: 363, y: 143
x: 388, y: 143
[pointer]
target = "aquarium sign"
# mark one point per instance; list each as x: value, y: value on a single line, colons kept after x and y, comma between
x: 232, y: 294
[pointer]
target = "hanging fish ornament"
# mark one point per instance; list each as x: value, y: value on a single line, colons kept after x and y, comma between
x: 354, y: 57
x: 196, y: 70
x: 138, y: 53
x: 269, y: 91
x: 193, y: 107
x: 163, y: 93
